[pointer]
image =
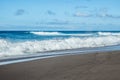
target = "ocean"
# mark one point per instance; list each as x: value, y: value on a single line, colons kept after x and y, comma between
x: 17, y: 43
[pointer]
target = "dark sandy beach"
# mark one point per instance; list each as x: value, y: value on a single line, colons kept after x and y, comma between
x: 95, y: 66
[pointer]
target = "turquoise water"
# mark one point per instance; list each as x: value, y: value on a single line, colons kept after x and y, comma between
x: 17, y: 43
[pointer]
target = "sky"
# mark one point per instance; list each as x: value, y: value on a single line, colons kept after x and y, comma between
x: 60, y: 15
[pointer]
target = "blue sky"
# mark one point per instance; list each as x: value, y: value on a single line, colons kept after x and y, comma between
x: 60, y: 15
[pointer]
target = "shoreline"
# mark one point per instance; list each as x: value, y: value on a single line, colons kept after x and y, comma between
x: 94, y: 66
x: 49, y: 54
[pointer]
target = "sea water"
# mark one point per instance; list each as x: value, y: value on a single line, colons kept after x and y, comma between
x: 17, y: 43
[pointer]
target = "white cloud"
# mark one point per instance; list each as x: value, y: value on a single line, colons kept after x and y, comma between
x: 108, y: 15
x: 80, y: 14
x: 81, y: 7
x: 104, y: 13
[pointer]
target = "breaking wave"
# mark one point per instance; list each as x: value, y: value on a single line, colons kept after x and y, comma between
x: 46, y: 33
x: 61, y: 34
x: 109, y: 33
x: 8, y: 48
x: 78, y: 34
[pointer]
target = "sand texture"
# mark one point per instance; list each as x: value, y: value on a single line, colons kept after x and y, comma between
x: 95, y: 66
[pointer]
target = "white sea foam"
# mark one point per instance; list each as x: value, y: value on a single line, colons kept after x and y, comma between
x: 78, y: 34
x: 46, y: 33
x: 8, y: 48
x: 60, y: 33
x: 109, y: 33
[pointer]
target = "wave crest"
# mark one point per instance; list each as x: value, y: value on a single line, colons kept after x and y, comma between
x: 8, y: 48
x: 46, y: 33
x: 109, y: 34
x: 61, y: 34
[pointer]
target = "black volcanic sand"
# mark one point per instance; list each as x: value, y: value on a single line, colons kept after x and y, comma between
x: 95, y: 66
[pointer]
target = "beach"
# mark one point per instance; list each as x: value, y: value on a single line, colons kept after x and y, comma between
x: 93, y: 66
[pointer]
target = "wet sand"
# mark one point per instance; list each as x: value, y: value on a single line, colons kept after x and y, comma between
x: 94, y: 66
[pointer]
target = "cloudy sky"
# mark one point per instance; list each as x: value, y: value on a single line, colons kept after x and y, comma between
x: 60, y: 15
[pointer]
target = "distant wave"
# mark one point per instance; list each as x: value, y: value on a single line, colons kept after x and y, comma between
x: 77, y: 34
x: 46, y: 33
x: 109, y: 33
x: 8, y: 48
x: 60, y: 33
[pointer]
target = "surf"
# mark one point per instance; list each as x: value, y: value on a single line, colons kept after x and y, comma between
x: 8, y: 48
x: 60, y: 33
